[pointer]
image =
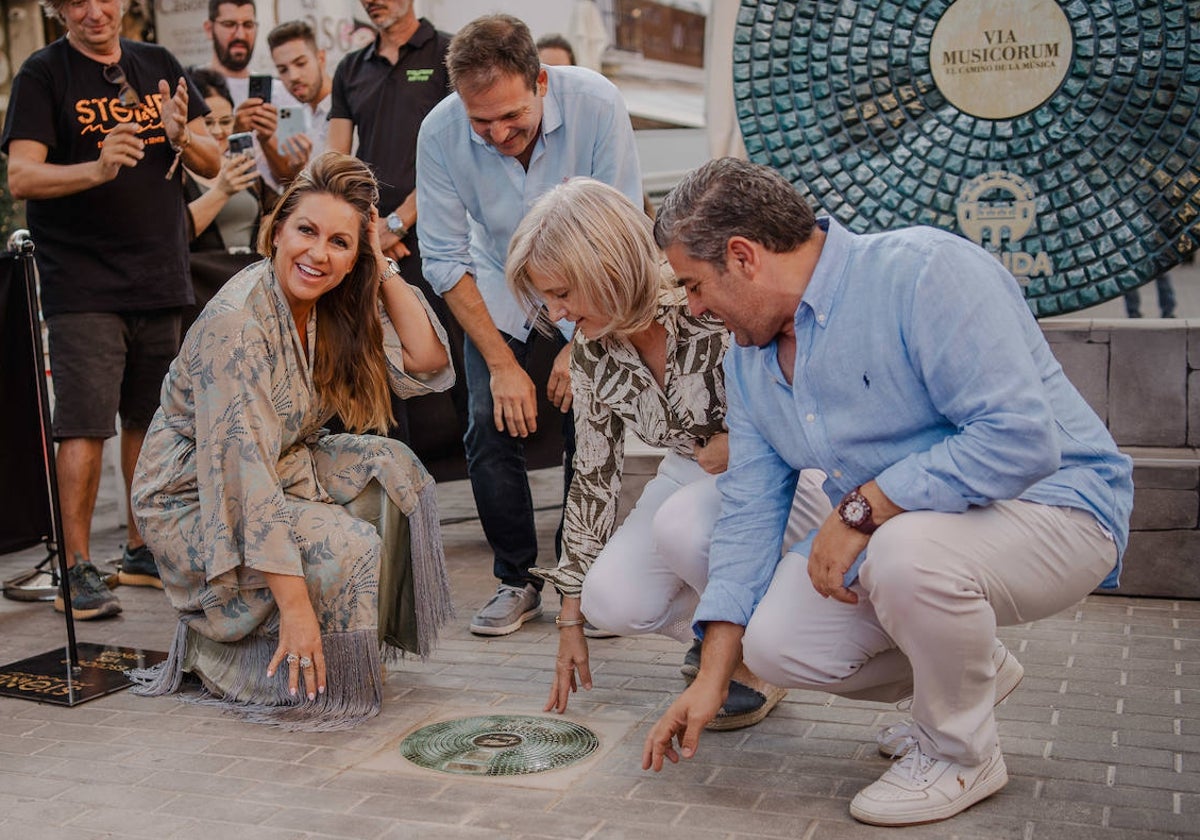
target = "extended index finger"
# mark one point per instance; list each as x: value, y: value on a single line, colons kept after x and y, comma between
x: 658, y: 746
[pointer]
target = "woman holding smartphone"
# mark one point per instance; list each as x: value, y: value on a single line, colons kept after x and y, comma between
x: 224, y: 212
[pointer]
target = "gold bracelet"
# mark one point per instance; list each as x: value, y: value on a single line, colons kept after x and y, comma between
x: 559, y: 621
x: 187, y: 141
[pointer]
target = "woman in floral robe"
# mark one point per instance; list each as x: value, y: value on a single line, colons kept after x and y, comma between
x: 643, y: 363
x: 296, y: 557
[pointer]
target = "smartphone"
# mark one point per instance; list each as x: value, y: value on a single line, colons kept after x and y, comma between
x: 291, y: 123
x: 260, y: 86
x: 241, y: 143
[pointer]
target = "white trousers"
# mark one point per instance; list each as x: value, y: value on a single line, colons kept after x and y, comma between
x: 649, y: 576
x: 932, y: 591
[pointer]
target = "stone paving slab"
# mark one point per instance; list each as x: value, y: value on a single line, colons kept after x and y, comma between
x: 1102, y: 739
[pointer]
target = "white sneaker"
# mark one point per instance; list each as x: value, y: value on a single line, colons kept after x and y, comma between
x: 895, y: 740
x: 920, y: 789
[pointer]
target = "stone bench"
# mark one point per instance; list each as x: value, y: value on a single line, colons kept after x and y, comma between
x: 1142, y: 378
x: 1164, y: 543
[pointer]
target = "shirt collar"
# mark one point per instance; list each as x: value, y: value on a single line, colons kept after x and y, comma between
x: 322, y: 109
x: 424, y: 32
x: 829, y: 273
x: 552, y: 117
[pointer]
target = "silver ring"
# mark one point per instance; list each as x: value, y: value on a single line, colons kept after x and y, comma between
x: 292, y: 658
x: 305, y: 662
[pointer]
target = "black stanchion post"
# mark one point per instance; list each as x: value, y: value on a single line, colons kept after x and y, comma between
x: 37, y: 517
x: 21, y: 244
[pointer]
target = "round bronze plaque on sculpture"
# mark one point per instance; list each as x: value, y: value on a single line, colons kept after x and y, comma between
x: 1061, y: 136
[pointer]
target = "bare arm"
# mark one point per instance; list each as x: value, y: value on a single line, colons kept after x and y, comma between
x: 700, y: 703
x: 572, y: 657
x: 340, y: 136
x: 837, y: 545
x: 237, y: 173
x: 422, y: 348
x: 393, y: 245
x: 299, y: 634
x: 31, y: 177
x: 201, y: 154
x: 407, y: 211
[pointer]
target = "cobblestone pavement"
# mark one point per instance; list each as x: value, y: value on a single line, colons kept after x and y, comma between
x: 1102, y: 739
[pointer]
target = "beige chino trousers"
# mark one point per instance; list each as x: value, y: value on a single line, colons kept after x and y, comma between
x: 932, y: 591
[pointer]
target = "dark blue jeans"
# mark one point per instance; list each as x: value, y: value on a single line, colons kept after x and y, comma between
x: 1166, y: 298
x: 496, y: 467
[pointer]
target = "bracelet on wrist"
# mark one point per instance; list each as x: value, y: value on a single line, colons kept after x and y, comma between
x: 185, y: 140
x: 561, y: 622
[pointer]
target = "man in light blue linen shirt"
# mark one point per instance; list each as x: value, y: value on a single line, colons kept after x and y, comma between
x: 512, y: 131
x: 974, y: 487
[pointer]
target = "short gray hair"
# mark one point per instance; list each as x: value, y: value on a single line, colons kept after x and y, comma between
x: 53, y: 8
x: 729, y: 197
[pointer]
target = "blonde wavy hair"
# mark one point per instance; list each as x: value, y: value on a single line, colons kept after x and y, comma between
x: 593, y: 239
x: 349, y: 367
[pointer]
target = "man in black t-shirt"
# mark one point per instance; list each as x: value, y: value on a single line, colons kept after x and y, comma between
x: 383, y: 91
x: 97, y: 130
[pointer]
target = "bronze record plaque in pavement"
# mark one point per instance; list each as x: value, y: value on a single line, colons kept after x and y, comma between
x: 1064, y: 137
x: 499, y: 745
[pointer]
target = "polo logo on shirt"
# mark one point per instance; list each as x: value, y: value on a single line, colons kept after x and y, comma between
x: 421, y: 75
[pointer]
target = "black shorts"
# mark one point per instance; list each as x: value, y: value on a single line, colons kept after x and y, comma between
x: 107, y: 363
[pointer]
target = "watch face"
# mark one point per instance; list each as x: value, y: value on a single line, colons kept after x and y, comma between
x: 854, y: 511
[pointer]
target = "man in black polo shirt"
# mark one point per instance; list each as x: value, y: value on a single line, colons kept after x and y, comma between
x: 383, y: 91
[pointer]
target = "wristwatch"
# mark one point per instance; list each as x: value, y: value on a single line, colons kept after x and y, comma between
x: 396, y: 225
x: 855, y: 511
x: 390, y: 270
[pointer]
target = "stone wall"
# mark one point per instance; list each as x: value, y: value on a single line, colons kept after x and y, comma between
x: 1143, y: 378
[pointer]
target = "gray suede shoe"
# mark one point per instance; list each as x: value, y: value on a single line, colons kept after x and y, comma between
x: 507, y: 610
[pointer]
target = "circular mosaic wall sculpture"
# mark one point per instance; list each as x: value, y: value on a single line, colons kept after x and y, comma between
x: 1061, y: 136
x: 499, y: 745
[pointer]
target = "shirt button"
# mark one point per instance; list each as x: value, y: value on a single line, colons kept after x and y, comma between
x: 810, y: 417
x: 837, y: 473
x: 821, y: 318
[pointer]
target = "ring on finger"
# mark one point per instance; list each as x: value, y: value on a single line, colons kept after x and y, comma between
x: 292, y: 658
x: 305, y: 662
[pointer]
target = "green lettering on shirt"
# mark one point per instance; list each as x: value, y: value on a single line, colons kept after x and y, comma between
x: 420, y: 75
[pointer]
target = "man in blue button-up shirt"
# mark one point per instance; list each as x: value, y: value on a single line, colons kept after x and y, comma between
x: 511, y: 132
x: 974, y: 486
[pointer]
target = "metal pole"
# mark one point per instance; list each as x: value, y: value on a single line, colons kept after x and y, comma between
x: 21, y: 244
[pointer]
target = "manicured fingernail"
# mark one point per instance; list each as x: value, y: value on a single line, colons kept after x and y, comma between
x: 321, y: 690
x: 292, y: 692
x: 312, y: 696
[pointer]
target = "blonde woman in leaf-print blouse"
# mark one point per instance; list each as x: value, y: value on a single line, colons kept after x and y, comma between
x: 641, y: 362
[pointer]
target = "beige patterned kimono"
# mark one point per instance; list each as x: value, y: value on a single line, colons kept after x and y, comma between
x: 237, y: 478
x: 613, y: 391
